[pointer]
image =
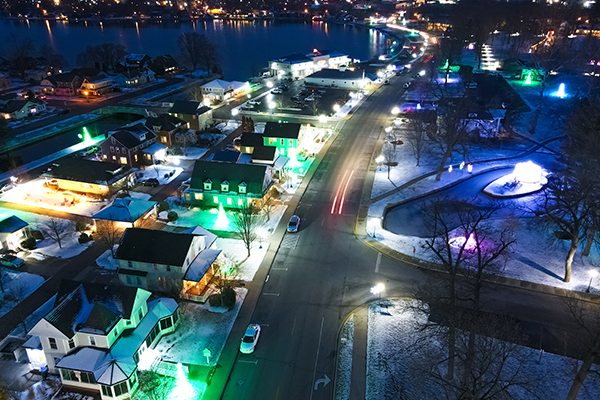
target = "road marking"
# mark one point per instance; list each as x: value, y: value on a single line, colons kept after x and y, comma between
x: 277, y: 394
x: 279, y: 269
x: 264, y: 325
x: 378, y: 262
x: 294, y: 327
x: 312, y: 385
x: 325, y: 380
x: 255, y: 362
x: 271, y: 294
x: 267, y: 280
x: 338, y: 192
x: 290, y: 241
x: 344, y: 195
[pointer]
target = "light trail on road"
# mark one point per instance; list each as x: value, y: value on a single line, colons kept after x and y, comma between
x: 344, y: 194
x: 337, y: 193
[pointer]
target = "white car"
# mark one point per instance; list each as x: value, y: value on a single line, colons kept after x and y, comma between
x: 294, y: 224
x: 254, y: 102
x: 277, y: 91
x: 250, y: 338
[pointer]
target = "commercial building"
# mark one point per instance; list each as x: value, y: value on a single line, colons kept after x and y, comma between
x: 297, y: 66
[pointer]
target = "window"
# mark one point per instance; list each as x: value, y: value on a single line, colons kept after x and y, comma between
x: 198, y: 196
x: 138, y: 281
x: 114, y: 158
x: 106, y: 391
x: 163, y: 139
x: 242, y: 187
x: 229, y: 201
x: 87, y: 377
x: 71, y: 343
x: 123, y: 150
x: 92, y: 340
x: 270, y: 140
x: 130, y: 264
x: 155, y: 266
x: 175, y: 316
x: 118, y: 149
x: 166, y: 323
x: 112, y: 140
x: 225, y: 186
x: 112, y: 149
x: 129, y: 280
x: 140, y: 314
x: 240, y: 202
x: 52, y: 342
x: 291, y: 142
x: 132, y: 380
x: 68, y: 375
x: 207, y: 184
x: 123, y: 160
x: 136, y: 358
x: 120, y: 388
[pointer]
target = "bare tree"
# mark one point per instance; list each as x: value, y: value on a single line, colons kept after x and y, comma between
x: 388, y: 154
x: 20, y: 53
x: 245, y: 223
x: 451, y: 133
x: 196, y: 50
x: 154, y: 386
x: 104, y: 56
x: 416, y: 135
x: 109, y: 233
x: 156, y: 169
x: 195, y: 93
x: 269, y: 203
x: 569, y: 203
x: 56, y: 229
x: 55, y: 61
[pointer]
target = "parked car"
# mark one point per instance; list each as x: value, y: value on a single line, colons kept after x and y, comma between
x: 11, y: 261
x: 294, y: 224
x: 89, y: 151
x: 151, y: 182
x: 7, y: 187
x: 310, y: 98
x: 254, y: 102
x: 250, y: 339
x: 248, y: 106
x: 406, y: 85
x: 277, y: 91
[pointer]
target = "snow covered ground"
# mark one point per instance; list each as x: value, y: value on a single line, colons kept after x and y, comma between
x: 236, y: 251
x: 33, y: 193
x: 107, y: 261
x: 396, y: 349
x: 344, y: 361
x: 159, y: 171
x: 193, y: 153
x: 17, y: 286
x: 200, y: 329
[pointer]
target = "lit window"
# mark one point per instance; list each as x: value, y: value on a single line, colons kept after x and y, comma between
x: 198, y: 196
x: 270, y: 140
x: 229, y: 201
x: 225, y: 186
x: 123, y: 160
x: 114, y: 158
x: 207, y: 184
x: 291, y: 142
x: 242, y: 187
x: 163, y: 139
x: 240, y: 202
x: 216, y: 199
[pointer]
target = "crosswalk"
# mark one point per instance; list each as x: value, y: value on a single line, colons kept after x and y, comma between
x: 290, y: 241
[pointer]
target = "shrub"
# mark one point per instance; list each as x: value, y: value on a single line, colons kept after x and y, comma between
x: 84, y: 238
x: 228, y: 295
x: 215, y: 300
x: 80, y: 225
x: 172, y: 216
x: 37, y: 235
x: 163, y: 206
x: 29, y: 243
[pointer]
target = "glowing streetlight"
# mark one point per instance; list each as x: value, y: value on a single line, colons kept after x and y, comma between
x: 272, y: 105
x: 260, y: 232
x: 395, y: 111
x: 373, y: 222
x: 422, y: 73
x: 593, y: 273
x: 207, y: 102
x: 377, y: 289
x: 322, y: 119
x: 269, y: 84
x: 235, y: 112
x: 388, y: 129
x: 336, y: 107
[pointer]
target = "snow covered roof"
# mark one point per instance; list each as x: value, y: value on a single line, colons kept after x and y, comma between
x: 125, y: 210
x: 154, y: 148
x: 218, y: 84
x: 91, y: 307
x: 237, y: 85
x: 209, y: 237
x: 154, y: 246
x: 117, y: 365
x: 33, y: 342
x: 201, y: 264
x: 12, y: 224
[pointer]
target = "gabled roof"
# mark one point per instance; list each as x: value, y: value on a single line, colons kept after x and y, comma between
x: 129, y: 135
x: 264, y: 153
x: 189, y: 107
x: 14, y: 105
x: 253, y: 175
x: 293, y: 59
x: 166, y: 122
x: 91, y: 307
x: 282, y: 130
x: 155, y: 247
x: 201, y: 264
x: 252, y: 140
x: 125, y: 210
x: 225, y: 156
x: 218, y: 84
x: 82, y: 170
x: 327, y: 73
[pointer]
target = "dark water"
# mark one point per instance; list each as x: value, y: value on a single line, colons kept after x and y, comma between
x: 242, y: 45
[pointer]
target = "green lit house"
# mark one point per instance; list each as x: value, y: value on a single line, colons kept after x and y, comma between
x: 230, y: 184
x: 287, y: 137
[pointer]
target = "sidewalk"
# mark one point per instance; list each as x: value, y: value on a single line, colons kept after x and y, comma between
x: 359, y: 355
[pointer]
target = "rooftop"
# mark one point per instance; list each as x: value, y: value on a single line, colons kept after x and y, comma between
x: 327, y: 73
x: 285, y: 130
x: 125, y: 210
x: 82, y: 170
x: 189, y: 107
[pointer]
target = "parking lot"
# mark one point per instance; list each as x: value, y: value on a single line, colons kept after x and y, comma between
x: 297, y: 98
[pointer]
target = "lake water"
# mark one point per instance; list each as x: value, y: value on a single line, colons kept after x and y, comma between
x: 242, y: 45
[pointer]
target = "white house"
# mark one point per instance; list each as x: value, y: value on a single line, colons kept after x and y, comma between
x: 336, y: 78
x: 298, y: 66
x: 96, y: 86
x: 96, y: 334
x: 19, y: 109
x: 218, y: 90
x: 187, y: 267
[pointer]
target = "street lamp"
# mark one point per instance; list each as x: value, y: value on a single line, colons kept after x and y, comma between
x: 336, y: 107
x: 379, y: 160
x: 272, y: 105
x: 377, y: 289
x: 260, y: 232
x: 395, y: 111
x: 373, y: 222
x: 322, y: 119
x: 593, y: 273
x: 235, y: 112
x: 269, y: 84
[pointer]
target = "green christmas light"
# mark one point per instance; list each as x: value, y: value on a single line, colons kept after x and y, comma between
x: 222, y: 221
x: 183, y: 389
x: 446, y: 65
x: 528, y: 79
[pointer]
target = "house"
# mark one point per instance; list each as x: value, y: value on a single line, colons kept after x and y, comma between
x: 298, y: 66
x: 96, y: 86
x: 126, y: 211
x: 166, y: 127
x: 134, y: 60
x: 163, y: 65
x: 19, y: 109
x: 287, y: 137
x: 337, y: 78
x: 125, y: 145
x: 228, y: 184
x: 187, y: 267
x: 193, y: 112
x: 86, y: 176
x: 66, y: 84
x: 217, y: 90
x: 12, y: 231
x: 254, y: 144
x: 134, y: 77
x: 95, y: 335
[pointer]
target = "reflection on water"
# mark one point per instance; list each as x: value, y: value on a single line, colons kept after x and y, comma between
x: 241, y: 44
